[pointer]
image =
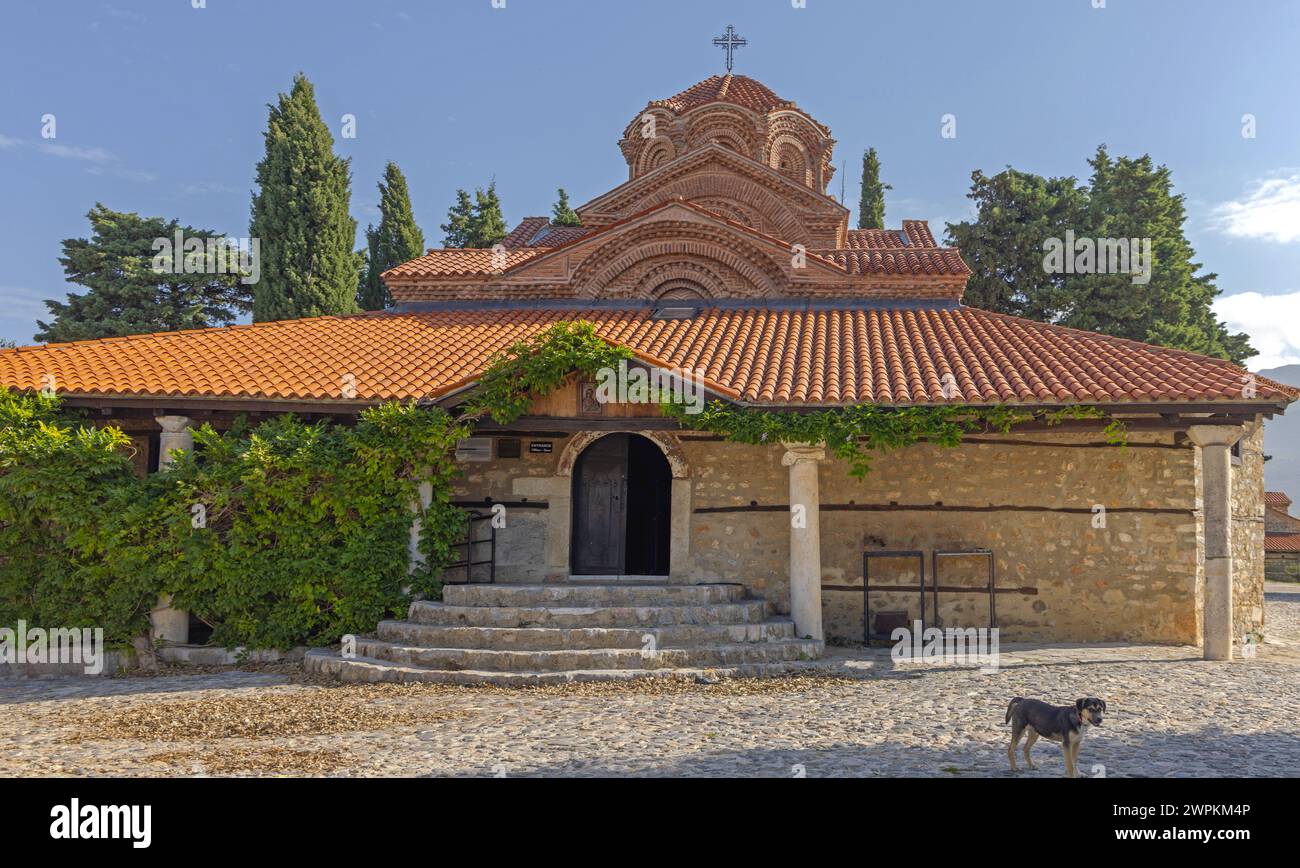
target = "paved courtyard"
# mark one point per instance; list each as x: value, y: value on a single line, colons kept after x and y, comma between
x: 1170, y: 714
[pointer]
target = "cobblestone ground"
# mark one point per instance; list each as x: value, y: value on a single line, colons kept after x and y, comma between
x: 1170, y: 714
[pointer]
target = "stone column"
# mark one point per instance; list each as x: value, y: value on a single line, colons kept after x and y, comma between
x: 176, y: 435
x: 168, y: 624
x: 805, y: 538
x: 1215, y: 442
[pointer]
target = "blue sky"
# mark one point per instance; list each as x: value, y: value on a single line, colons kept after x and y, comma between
x: 160, y: 108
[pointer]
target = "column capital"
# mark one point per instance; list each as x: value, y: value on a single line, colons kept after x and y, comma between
x: 173, y: 424
x: 797, y: 452
x: 1214, y: 435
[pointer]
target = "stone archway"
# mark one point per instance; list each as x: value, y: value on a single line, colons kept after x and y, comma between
x: 666, y: 442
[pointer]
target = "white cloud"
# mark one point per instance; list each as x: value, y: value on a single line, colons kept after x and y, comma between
x: 1269, y: 212
x: 1272, y: 321
x: 73, y: 152
x: 9, y: 141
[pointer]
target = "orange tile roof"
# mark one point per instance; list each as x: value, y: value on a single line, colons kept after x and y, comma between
x: 869, y: 251
x: 1276, y: 500
x: 764, y: 355
x: 739, y: 90
x: 1289, y: 542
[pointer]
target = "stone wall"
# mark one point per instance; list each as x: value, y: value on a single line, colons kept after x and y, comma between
x: 1109, y: 538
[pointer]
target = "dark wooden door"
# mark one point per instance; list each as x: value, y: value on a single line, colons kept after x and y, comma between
x: 600, y: 508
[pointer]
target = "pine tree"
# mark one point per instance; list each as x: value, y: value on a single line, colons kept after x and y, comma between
x: 398, y: 239
x: 129, y: 267
x: 1132, y: 198
x: 477, y: 223
x: 457, y: 229
x: 300, y: 215
x: 563, y: 215
x: 1003, y: 246
x: 1129, y: 199
x: 488, y: 226
x: 871, y: 207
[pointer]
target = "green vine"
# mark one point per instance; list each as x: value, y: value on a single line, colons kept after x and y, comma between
x: 533, y: 368
x: 538, y: 366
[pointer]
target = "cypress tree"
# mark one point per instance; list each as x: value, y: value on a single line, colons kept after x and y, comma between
x: 398, y: 239
x: 871, y: 207
x: 563, y: 215
x: 300, y: 215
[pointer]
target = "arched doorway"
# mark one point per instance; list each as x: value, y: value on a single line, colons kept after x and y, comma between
x: 622, y: 502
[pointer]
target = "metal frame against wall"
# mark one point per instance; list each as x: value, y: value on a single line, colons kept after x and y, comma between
x: 867, y: 635
x: 469, y: 542
x: 957, y: 589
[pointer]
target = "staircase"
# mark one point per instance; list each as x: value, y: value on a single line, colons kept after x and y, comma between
x: 549, y: 634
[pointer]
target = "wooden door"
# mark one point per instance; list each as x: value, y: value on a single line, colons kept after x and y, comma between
x: 600, y: 508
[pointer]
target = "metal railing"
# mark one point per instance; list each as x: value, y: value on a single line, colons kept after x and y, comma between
x: 473, y: 519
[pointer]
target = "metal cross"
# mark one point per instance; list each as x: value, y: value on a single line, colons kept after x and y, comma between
x: 731, y: 42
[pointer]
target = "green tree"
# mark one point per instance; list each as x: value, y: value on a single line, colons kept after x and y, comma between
x: 459, y: 217
x: 563, y: 215
x: 137, y: 280
x: 398, y: 239
x: 476, y: 223
x: 1131, y: 199
x: 871, y: 207
x: 1015, y: 212
x: 300, y: 215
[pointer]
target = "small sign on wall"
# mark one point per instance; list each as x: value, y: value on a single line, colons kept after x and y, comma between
x: 474, y: 449
x: 543, y: 446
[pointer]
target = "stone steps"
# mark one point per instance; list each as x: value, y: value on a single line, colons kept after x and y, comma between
x: 556, y: 638
x: 442, y: 614
x: 552, y: 634
x: 584, y: 595
x: 495, y: 660
x: 362, y: 669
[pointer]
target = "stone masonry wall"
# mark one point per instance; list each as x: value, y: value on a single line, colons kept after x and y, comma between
x: 1031, y: 498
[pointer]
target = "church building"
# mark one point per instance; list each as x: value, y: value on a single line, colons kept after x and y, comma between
x: 722, y: 255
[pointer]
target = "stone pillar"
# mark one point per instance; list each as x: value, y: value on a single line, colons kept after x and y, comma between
x: 1215, y: 442
x: 168, y: 624
x: 805, y: 538
x: 176, y: 435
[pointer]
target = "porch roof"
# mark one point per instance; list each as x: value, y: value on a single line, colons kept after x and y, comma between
x: 758, y: 353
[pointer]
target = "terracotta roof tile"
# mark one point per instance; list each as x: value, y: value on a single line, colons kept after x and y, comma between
x: 1289, y: 542
x: 1276, y: 500
x: 765, y: 355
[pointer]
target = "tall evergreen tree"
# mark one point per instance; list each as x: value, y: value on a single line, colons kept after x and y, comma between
x: 300, y: 215
x: 562, y: 214
x: 476, y: 223
x: 1132, y: 198
x: 397, y: 239
x: 1126, y: 198
x: 457, y: 229
x: 130, y: 267
x: 871, y: 207
x: 1003, y: 246
x: 489, y: 225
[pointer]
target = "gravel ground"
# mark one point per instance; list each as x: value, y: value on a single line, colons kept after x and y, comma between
x: 1170, y: 714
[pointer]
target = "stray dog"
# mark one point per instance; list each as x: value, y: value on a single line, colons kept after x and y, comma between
x: 1061, y: 723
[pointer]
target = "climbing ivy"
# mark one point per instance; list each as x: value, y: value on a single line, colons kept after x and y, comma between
x: 538, y: 366
x: 855, y: 433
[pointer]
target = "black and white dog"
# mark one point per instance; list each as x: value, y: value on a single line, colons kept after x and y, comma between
x: 1061, y: 723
